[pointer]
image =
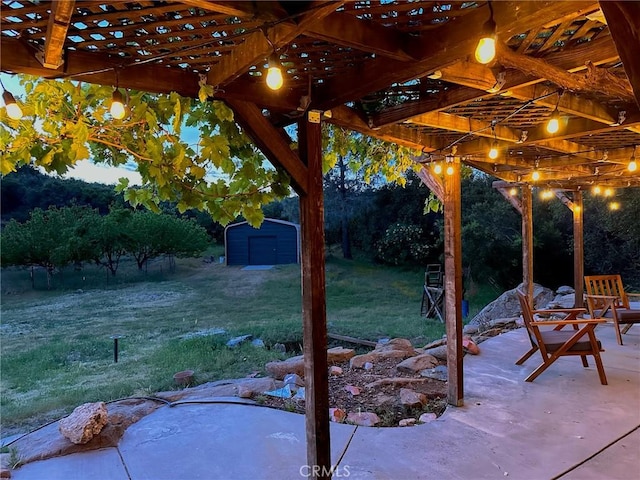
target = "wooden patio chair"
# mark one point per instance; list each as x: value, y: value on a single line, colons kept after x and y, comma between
x: 606, y: 298
x: 556, y: 342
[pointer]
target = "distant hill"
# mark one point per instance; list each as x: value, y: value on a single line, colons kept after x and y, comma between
x: 27, y: 188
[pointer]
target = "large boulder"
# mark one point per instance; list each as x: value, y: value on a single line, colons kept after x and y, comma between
x: 418, y: 363
x: 507, y: 305
x: 397, y: 348
x: 278, y: 369
x: 85, y: 422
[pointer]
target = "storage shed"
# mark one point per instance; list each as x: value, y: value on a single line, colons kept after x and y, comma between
x: 275, y: 242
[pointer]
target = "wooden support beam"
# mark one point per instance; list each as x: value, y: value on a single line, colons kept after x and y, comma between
x: 314, y: 304
x: 274, y: 143
x: 527, y: 241
x: 460, y: 124
x: 623, y: 19
x: 453, y: 284
x: 512, y: 199
x: 578, y: 248
x: 599, y: 81
x: 348, y: 118
x: 59, y: 20
x: 433, y: 182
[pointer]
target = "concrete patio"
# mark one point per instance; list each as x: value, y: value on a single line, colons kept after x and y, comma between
x: 564, y: 425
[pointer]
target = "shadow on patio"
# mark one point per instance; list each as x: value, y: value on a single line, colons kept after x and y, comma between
x: 563, y: 425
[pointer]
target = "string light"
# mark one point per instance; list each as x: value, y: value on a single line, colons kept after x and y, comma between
x: 13, y: 109
x: 596, y: 190
x: 450, y: 170
x: 608, y: 192
x: 274, y: 73
x: 513, y: 191
x: 493, y: 151
x: 553, y: 125
x: 614, y: 206
x: 546, y: 194
x: 437, y: 168
x: 486, y: 49
x: 633, y: 166
x: 117, y: 105
x: 535, y: 175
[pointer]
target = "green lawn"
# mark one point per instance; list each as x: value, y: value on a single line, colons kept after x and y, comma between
x: 56, y: 350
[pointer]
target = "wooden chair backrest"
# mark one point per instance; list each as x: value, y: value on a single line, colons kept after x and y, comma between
x: 610, y: 285
x: 527, y: 316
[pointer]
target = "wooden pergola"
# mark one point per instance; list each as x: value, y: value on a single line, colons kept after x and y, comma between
x: 400, y: 71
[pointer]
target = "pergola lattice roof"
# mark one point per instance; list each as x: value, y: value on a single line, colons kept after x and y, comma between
x: 370, y: 62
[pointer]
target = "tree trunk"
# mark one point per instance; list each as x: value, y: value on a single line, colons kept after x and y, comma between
x: 344, y: 218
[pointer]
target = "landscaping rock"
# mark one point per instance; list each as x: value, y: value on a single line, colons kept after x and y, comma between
x: 396, y: 344
x: 84, y: 423
x: 279, y: 347
x: 364, y: 419
x: 293, y: 380
x: 565, y: 290
x: 337, y: 415
x: 368, y: 366
x: 427, y: 417
x: 353, y: 390
x: 383, y: 399
x: 335, y: 371
x: 398, y: 348
x: 437, y: 373
x: 407, y: 422
x: 245, y: 392
x: 439, y: 352
x: 339, y: 354
x: 507, y: 305
x: 258, y: 343
x: 417, y: 363
x: 436, y: 343
x: 220, y: 388
x: 409, y: 398
x: 279, y: 369
x: 235, y: 341
x: 470, y: 329
x: 470, y: 346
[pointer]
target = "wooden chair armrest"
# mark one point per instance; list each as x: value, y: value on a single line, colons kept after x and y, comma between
x: 580, y: 321
x: 560, y: 310
x: 634, y: 295
x: 603, y: 297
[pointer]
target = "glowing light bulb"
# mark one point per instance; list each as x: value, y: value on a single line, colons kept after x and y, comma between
x: 596, y: 190
x: 608, y: 192
x: 274, y: 73
x: 13, y: 109
x: 493, y: 153
x: 513, y: 191
x: 486, y: 50
x: 450, y: 170
x: 117, y: 107
x: 554, y: 123
x: 633, y: 166
x: 535, y: 175
x: 614, y: 206
x: 437, y: 169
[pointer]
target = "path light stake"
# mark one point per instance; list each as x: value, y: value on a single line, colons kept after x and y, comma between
x: 115, y: 347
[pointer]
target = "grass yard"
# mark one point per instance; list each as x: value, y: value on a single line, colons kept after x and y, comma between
x: 57, y: 350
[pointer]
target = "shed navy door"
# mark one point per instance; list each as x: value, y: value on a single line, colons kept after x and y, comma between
x: 263, y: 250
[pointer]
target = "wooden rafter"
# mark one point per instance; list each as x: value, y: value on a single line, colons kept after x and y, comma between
x: 257, y: 46
x: 273, y: 142
x: 623, y: 19
x: 59, y: 20
x: 441, y: 47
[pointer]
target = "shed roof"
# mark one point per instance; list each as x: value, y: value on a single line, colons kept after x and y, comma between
x: 398, y: 70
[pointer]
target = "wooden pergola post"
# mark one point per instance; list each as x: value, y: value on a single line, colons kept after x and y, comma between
x: 314, y: 316
x: 453, y: 283
x: 527, y: 242
x: 578, y: 248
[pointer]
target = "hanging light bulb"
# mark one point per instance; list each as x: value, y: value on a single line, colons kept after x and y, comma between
x: 437, y: 168
x: 274, y: 73
x: 535, y: 175
x: 13, y: 109
x: 553, y: 125
x: 117, y: 106
x: 486, y: 49
x: 596, y: 190
x: 513, y: 191
x: 493, y: 151
x: 450, y: 170
x: 633, y: 166
x: 546, y: 194
x: 608, y: 192
x: 614, y: 206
